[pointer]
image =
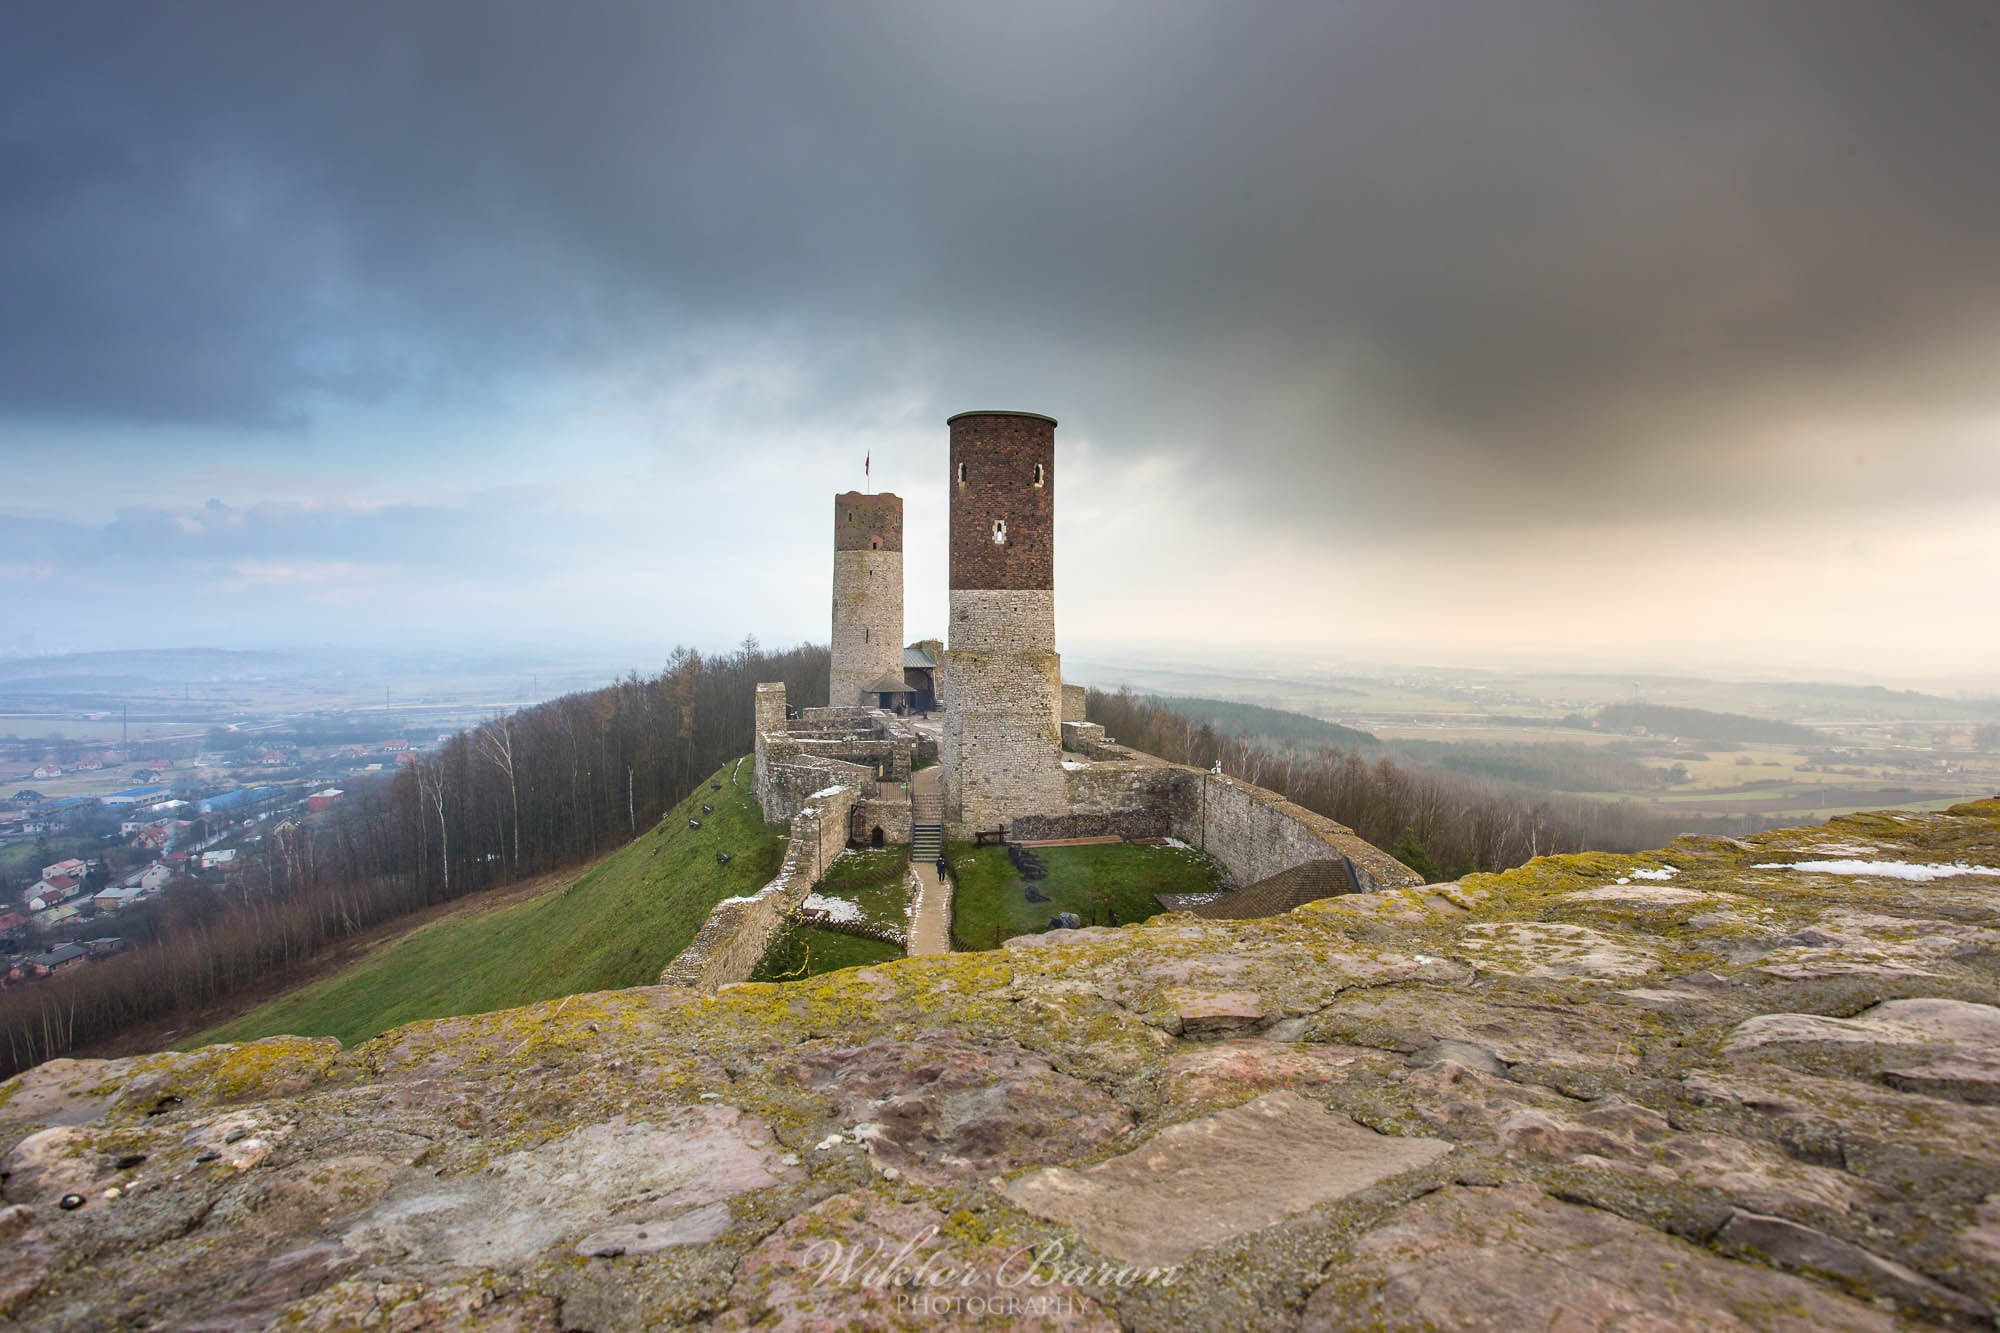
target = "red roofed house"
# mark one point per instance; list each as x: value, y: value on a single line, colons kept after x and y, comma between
x: 50, y: 890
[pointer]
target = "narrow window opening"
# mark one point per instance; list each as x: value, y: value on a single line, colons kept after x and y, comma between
x: 874, y: 543
x: 999, y: 532
x: 961, y: 474
x: 1041, y: 474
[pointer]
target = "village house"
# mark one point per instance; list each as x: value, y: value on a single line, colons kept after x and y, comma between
x: 55, y: 960
x: 50, y: 890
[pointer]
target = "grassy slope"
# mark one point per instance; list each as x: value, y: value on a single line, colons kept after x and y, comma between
x: 871, y: 880
x: 617, y: 924
x: 807, y: 951
x: 874, y: 881
x: 1108, y: 884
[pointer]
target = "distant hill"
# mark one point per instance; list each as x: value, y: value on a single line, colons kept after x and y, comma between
x: 1230, y: 718
x: 1700, y: 724
x: 66, y: 673
x: 614, y: 925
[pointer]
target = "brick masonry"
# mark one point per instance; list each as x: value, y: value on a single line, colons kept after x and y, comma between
x: 994, y: 480
x: 1000, y: 680
x: 867, y: 595
x: 863, y: 521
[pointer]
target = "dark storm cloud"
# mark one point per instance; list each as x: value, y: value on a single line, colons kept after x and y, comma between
x: 1474, y: 253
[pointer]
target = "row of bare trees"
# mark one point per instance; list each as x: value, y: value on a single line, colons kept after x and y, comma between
x: 537, y: 790
x: 1442, y: 824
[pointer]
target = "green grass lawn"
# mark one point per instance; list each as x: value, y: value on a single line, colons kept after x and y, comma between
x: 23, y: 857
x: 617, y: 924
x: 807, y: 951
x: 1106, y: 885
x: 875, y: 882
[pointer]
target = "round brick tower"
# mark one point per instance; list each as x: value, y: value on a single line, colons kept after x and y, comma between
x: 867, y: 597
x: 1000, y: 680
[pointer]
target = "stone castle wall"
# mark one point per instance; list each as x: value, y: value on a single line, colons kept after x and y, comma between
x: 739, y: 931
x: 1074, y: 700
x: 791, y: 784
x: 867, y: 622
x: 863, y: 748
x: 1252, y: 833
x: 1000, y: 680
x: 889, y: 812
x: 1255, y: 833
x: 1002, y: 751
x: 1004, y: 620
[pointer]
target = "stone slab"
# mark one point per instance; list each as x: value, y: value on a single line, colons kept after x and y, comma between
x: 1511, y: 1259
x: 1210, y: 1180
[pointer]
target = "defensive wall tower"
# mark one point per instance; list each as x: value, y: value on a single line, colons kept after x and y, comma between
x: 867, y: 597
x: 1000, y: 680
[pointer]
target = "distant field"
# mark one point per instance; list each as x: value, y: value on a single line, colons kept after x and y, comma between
x: 615, y: 925
x: 1112, y: 884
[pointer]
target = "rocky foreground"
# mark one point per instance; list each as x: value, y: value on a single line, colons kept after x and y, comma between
x: 1699, y: 1088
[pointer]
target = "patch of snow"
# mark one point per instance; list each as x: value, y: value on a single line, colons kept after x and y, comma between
x: 1423, y: 958
x: 824, y: 791
x: 1074, y: 766
x: 1178, y: 845
x: 839, y: 909
x: 1885, y: 869
x: 1662, y: 872
x: 830, y: 1141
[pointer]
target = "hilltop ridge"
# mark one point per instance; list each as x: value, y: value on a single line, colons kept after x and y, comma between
x: 1727, y: 1084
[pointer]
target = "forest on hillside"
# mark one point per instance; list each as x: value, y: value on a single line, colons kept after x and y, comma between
x: 1441, y: 824
x: 1701, y: 724
x: 538, y: 790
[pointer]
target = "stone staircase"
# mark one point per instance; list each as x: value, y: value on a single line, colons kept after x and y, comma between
x: 926, y: 829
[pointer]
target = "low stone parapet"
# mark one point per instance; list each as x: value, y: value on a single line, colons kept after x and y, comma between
x: 738, y: 931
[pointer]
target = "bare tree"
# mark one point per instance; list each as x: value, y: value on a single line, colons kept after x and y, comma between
x: 496, y: 746
x: 433, y: 782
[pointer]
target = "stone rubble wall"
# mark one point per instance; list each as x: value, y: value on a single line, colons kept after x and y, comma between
x: 1074, y: 699
x: 1255, y: 834
x: 1003, y: 620
x: 867, y: 622
x: 1002, y: 752
x: 792, y: 781
x: 858, y: 747
x: 889, y: 812
x: 1252, y: 833
x: 739, y: 931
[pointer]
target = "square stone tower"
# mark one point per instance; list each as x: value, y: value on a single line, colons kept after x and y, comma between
x: 867, y: 598
x: 1000, y: 680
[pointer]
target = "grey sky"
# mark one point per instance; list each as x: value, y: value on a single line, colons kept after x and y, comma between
x: 1620, y: 332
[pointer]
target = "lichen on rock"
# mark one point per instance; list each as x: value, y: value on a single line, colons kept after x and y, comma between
x: 1748, y: 1094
